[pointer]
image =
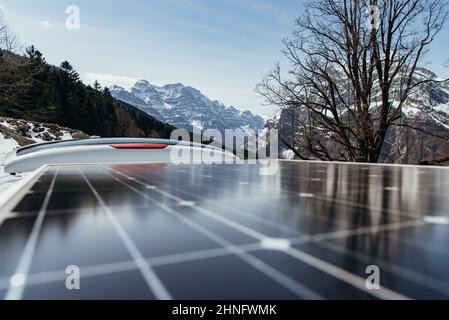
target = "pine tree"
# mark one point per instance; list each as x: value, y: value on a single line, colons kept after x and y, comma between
x: 34, y: 90
x: 34, y: 54
x: 97, y: 86
x: 107, y: 93
x: 70, y: 71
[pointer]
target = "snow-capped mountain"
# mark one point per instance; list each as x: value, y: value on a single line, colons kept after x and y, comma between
x: 185, y: 107
x: 427, y: 108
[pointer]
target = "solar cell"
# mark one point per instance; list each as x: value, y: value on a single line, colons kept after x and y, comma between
x: 162, y: 231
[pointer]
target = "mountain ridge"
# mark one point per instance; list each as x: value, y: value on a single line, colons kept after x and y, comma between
x: 185, y: 107
x: 419, y: 136
x: 33, y: 90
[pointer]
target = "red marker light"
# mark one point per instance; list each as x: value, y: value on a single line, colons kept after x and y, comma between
x: 139, y: 146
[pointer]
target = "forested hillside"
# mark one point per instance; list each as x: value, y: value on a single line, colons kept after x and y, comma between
x: 31, y: 89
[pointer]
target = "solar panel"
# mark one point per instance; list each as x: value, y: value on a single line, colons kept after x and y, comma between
x: 165, y: 231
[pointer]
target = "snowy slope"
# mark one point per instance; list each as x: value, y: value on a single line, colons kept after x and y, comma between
x: 6, y: 146
x: 15, y: 133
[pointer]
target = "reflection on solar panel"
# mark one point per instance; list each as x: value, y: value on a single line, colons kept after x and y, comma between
x: 162, y: 231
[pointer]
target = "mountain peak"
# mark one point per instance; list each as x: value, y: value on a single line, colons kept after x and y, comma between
x: 142, y: 83
x: 172, y: 85
x: 425, y: 73
x: 184, y: 106
x: 116, y: 88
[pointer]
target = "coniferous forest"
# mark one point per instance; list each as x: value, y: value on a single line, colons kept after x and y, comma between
x: 34, y: 90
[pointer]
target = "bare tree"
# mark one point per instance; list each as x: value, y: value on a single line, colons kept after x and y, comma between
x: 8, y: 40
x: 353, y: 66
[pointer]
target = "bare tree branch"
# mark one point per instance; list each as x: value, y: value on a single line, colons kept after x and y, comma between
x: 446, y: 138
x: 348, y: 82
x: 8, y: 40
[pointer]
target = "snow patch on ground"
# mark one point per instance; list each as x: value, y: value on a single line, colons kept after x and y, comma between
x: 34, y: 131
x: 6, y: 146
x: 6, y: 124
x: 288, y: 154
x: 22, y: 132
x: 442, y: 108
x: 410, y: 111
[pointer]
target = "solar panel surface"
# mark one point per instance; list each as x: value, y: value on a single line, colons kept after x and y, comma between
x: 162, y: 231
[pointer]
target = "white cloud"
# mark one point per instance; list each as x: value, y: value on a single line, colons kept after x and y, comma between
x: 2, y: 10
x: 109, y: 79
x: 46, y: 24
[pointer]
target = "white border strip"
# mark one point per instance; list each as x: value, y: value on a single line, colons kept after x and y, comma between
x: 15, y: 292
x: 15, y: 193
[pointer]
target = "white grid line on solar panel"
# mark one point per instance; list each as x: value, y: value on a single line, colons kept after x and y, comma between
x: 422, y: 191
x: 411, y: 275
x: 267, y: 222
x: 154, y: 283
x: 235, y: 210
x: 283, y: 280
x: 255, y: 218
x: 252, y: 233
x: 396, y: 212
x: 103, y: 269
x: 298, y: 179
x: 274, y: 224
x: 317, y: 197
x: 332, y: 235
x: 13, y: 215
x: 351, y: 203
x: 270, y: 223
x: 176, y: 197
x: 328, y: 268
x: 14, y: 194
x: 15, y: 290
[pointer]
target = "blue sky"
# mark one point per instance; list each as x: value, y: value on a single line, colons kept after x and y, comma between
x: 221, y: 47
